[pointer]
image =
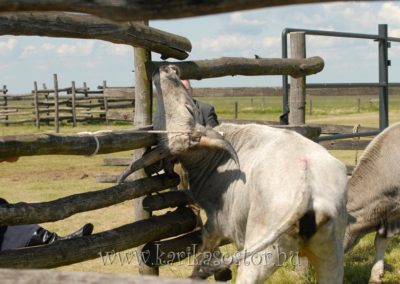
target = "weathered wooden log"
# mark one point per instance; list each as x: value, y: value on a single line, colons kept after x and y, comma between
x: 87, y: 26
x: 297, y: 96
x: 17, y: 108
x: 51, y: 103
x: 165, y: 200
x: 335, y: 129
x: 143, y: 116
x: 310, y: 132
x: 142, y: 10
x: 29, y: 276
x: 17, y: 121
x: 173, y: 250
x: 32, y: 213
x: 353, y: 144
x: 64, y: 117
x: 121, y: 105
x: 10, y: 113
x: 61, y: 109
x: 89, y: 105
x: 118, y: 100
x: 230, y: 66
x: 74, y: 144
x: 89, y: 247
x: 237, y: 92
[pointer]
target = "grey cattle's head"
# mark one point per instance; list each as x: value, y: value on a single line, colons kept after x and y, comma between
x: 179, y: 116
x: 182, y: 116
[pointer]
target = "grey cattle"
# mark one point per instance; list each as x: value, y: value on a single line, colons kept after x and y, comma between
x: 374, y: 196
x: 284, y: 193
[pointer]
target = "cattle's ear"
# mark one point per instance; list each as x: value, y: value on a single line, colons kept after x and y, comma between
x: 213, y: 139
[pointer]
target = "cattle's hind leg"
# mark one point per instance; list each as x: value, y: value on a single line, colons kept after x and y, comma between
x: 325, y: 252
x: 378, y: 266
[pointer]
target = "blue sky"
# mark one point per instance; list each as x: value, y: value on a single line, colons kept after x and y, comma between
x: 243, y: 34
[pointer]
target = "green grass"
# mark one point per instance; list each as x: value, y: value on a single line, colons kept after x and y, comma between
x: 44, y: 178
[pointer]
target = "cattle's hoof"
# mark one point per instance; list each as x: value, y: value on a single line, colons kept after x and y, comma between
x: 224, y: 275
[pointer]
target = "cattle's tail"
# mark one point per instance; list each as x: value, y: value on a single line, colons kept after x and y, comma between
x: 302, y: 208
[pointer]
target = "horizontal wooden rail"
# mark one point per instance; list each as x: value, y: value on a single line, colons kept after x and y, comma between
x: 29, y: 276
x: 74, y: 144
x: 31, y: 213
x: 90, y: 27
x: 89, y: 247
x: 166, y: 200
x: 353, y: 144
x: 231, y: 66
x: 308, y: 131
x: 142, y: 10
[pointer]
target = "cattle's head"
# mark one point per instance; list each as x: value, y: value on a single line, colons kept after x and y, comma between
x: 179, y: 117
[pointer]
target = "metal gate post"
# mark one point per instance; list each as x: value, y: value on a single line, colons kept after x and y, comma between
x: 285, y: 80
x: 383, y: 77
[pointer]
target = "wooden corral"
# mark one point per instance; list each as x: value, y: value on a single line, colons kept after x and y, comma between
x: 69, y: 104
x: 147, y: 229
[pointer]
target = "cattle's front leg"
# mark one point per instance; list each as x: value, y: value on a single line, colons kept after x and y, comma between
x: 378, y: 266
x: 207, y: 254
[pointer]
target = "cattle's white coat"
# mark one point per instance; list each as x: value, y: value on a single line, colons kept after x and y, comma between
x: 282, y: 177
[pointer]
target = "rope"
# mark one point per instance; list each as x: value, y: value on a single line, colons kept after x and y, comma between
x: 96, y: 139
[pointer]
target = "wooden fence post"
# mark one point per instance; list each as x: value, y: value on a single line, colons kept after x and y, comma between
x: 297, y: 95
x: 105, y: 101
x: 236, y: 110
x: 310, y: 105
x: 73, y: 91
x: 36, y: 104
x: 5, y: 102
x: 46, y: 95
x: 359, y: 104
x: 56, y: 115
x: 142, y: 117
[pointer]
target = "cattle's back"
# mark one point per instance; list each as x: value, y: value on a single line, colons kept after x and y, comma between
x: 269, y: 155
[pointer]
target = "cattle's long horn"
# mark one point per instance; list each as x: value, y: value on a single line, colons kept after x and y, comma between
x: 219, y: 143
x: 148, y: 159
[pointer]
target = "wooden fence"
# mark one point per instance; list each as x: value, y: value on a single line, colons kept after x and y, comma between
x: 80, y: 104
x: 71, y: 104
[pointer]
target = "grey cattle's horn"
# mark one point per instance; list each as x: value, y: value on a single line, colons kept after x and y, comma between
x: 148, y: 159
x: 219, y: 143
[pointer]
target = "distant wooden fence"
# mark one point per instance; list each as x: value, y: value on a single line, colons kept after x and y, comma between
x: 69, y: 104
x: 80, y: 104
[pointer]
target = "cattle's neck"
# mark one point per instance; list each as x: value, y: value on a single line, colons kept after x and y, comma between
x: 205, y: 167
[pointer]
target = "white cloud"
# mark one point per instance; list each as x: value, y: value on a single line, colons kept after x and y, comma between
x: 77, y: 48
x: 48, y: 46
x: 8, y: 45
x: 224, y: 42
x: 121, y: 49
x: 28, y: 51
x: 390, y: 12
x: 238, y: 18
x: 274, y: 42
